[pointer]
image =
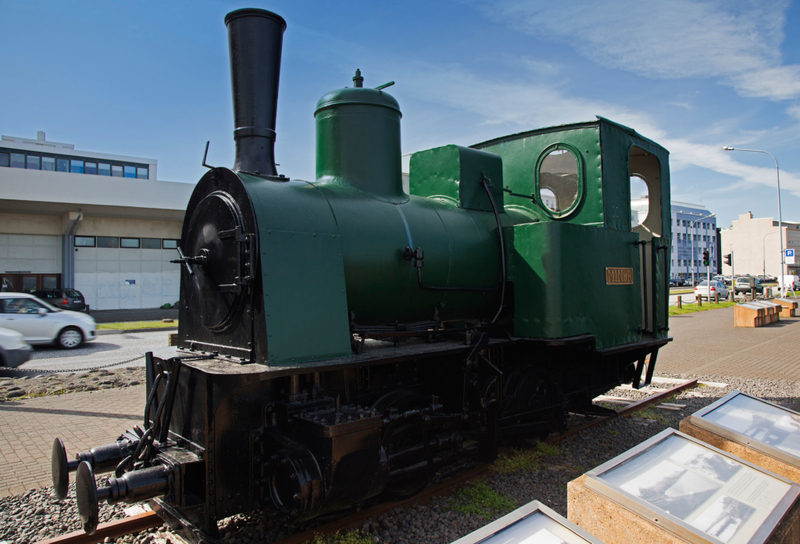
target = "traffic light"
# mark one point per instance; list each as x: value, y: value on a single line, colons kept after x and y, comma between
x: 705, y: 258
x: 729, y: 259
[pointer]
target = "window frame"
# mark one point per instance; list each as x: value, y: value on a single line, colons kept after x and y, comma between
x: 94, y: 241
x: 573, y: 207
x: 137, y: 246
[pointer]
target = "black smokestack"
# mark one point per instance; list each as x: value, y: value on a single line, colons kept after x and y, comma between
x: 255, y: 37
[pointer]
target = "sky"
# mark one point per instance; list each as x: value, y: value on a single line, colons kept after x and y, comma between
x: 152, y: 79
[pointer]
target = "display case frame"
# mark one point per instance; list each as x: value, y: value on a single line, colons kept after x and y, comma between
x: 699, y: 420
x: 519, y: 516
x: 672, y: 523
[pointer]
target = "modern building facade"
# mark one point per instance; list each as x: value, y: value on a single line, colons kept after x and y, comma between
x: 100, y: 223
x: 693, y: 232
x: 755, y: 244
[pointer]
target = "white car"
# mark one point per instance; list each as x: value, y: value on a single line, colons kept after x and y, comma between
x: 14, y: 350
x: 717, y: 288
x: 41, y: 323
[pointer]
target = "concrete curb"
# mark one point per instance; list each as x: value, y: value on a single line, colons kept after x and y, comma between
x: 106, y: 332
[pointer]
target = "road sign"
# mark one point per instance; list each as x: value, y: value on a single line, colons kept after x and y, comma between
x: 789, y: 256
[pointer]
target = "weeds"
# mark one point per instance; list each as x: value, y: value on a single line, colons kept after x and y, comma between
x: 481, y: 500
x: 524, y: 460
x: 652, y: 413
x: 352, y: 537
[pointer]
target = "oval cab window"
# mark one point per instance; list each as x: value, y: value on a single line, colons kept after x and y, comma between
x: 559, y: 184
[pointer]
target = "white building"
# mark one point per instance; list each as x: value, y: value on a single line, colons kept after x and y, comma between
x: 100, y: 223
x: 755, y: 244
x: 693, y: 232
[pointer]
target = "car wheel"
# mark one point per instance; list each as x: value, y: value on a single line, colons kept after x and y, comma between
x: 70, y: 338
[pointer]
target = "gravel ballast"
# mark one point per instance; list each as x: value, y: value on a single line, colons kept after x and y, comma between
x: 36, y: 515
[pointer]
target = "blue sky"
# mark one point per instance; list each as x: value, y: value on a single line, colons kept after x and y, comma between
x: 151, y: 79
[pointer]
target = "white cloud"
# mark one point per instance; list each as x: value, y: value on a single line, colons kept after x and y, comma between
x: 737, y: 44
x: 513, y: 107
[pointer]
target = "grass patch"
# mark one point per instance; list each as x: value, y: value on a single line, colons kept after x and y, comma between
x: 524, y: 460
x: 136, y: 325
x: 350, y: 537
x: 481, y: 500
x: 691, y: 308
x: 652, y: 413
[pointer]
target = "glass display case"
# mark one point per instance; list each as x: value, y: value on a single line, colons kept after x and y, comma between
x: 696, y: 491
x: 755, y: 423
x: 533, y: 523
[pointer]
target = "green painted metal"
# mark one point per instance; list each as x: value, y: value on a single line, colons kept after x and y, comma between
x: 660, y: 255
x: 560, y: 285
x: 337, y: 245
x: 302, y: 269
x: 454, y: 173
x: 358, y: 141
x: 521, y: 154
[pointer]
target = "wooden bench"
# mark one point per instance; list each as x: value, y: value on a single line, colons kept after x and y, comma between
x: 749, y: 315
x: 788, y: 307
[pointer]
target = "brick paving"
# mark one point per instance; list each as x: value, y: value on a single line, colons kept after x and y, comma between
x: 705, y: 343
x: 82, y: 420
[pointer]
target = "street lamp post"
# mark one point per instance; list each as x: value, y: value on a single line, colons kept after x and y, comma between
x: 764, y: 253
x: 694, y: 224
x: 780, y: 215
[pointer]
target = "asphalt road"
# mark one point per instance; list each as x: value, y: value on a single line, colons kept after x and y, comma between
x: 105, y: 350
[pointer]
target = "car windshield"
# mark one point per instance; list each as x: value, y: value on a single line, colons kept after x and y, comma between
x: 703, y: 283
x: 73, y: 294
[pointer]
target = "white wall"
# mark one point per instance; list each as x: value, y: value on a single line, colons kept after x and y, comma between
x: 35, y: 253
x: 112, y: 279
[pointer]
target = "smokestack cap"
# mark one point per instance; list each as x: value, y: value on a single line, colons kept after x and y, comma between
x: 254, y: 12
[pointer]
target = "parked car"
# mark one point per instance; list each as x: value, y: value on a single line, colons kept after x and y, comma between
x: 710, y: 290
x: 791, y: 282
x: 66, y: 299
x: 42, y: 323
x: 14, y: 350
x: 746, y: 284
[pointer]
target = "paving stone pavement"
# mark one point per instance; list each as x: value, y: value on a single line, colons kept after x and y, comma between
x: 707, y: 343
x: 82, y: 420
x: 704, y: 343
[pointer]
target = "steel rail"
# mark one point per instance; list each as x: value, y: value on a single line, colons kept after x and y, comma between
x: 147, y: 520
x: 623, y: 412
x: 112, y: 530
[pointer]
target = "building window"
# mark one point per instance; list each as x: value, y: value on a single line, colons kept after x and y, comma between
x: 3, y: 159
x: 17, y: 160
x: 90, y: 168
x: 104, y: 169
x: 33, y: 163
x: 76, y: 167
x: 130, y: 171
x: 49, y: 164
x: 141, y: 173
x: 84, y: 241
x: 116, y: 171
x: 169, y: 244
x: 62, y: 165
x: 132, y: 243
x: 151, y: 243
x: 107, y: 241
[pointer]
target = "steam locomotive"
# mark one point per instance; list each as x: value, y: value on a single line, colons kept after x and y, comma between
x: 346, y: 338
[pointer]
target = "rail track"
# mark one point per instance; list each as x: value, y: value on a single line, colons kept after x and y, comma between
x: 147, y: 520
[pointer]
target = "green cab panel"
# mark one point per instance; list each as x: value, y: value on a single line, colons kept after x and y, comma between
x: 560, y: 289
